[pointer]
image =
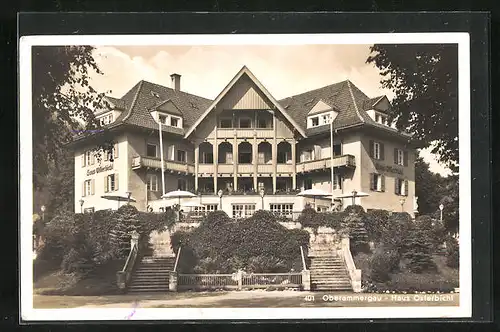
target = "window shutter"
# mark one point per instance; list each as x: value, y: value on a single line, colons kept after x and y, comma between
x: 406, y: 188
x: 405, y: 158
x: 83, y: 189
x: 371, y: 149
x: 116, y: 181
x: 92, y: 185
x: 372, y: 181
x: 381, y: 151
x: 105, y: 183
x: 106, y: 154
x: 395, y: 156
x: 83, y: 159
x: 382, y: 183
x: 396, y: 186
x: 115, y: 151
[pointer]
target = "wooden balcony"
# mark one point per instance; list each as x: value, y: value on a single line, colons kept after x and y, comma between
x: 245, y: 133
x: 265, y: 168
x: 227, y: 169
x: 245, y: 168
x: 324, y: 164
x: 284, y: 169
x: 169, y: 165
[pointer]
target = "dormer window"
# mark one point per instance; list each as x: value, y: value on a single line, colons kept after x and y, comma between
x: 174, y: 122
x: 106, y: 119
x: 168, y: 119
x: 314, y: 121
x: 162, y: 119
x: 380, y: 118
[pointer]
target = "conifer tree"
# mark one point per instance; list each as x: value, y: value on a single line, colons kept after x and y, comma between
x: 419, y: 251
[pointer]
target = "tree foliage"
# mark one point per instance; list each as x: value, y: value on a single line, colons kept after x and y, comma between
x: 424, y: 78
x: 63, y: 100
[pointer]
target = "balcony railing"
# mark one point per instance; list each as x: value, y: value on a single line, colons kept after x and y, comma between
x: 245, y: 168
x: 245, y: 133
x: 169, y: 165
x: 284, y: 168
x: 267, y: 168
x: 338, y: 161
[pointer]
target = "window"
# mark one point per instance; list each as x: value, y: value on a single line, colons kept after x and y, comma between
x: 151, y: 150
x: 307, y: 155
x: 226, y: 123
x: 314, y: 121
x: 377, y: 182
x: 111, y: 154
x: 337, y: 149
x: 262, y: 123
x: 322, y: 208
x: 326, y: 119
x: 400, y: 157
x: 181, y: 184
x: 162, y: 119
x: 181, y: 156
x: 401, y: 187
x: 377, y: 118
x: 107, y: 119
x: 88, y: 188
x: 243, y: 210
x: 152, y: 182
x: 284, y: 210
x: 337, y: 180
x: 308, y: 184
x: 174, y: 122
x: 284, y: 157
x: 245, y: 123
x: 111, y: 183
x: 88, y: 210
x: 210, y: 207
x: 89, y: 158
x: 207, y: 158
x: 377, y: 150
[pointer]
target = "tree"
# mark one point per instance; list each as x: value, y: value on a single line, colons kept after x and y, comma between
x: 419, y: 251
x: 428, y: 188
x: 62, y: 99
x: 59, y: 182
x: 424, y: 78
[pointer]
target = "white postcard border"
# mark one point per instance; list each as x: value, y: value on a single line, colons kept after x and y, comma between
x: 28, y: 313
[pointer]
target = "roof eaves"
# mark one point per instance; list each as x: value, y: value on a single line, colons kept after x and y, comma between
x: 134, y: 101
x: 354, y: 102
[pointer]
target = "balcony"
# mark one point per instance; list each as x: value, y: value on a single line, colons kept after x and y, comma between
x: 245, y: 133
x: 245, y: 168
x: 206, y: 169
x: 284, y: 169
x: 323, y: 164
x: 265, y: 168
x: 169, y: 165
x: 227, y: 169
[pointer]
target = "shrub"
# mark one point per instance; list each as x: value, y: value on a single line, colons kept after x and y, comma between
x: 126, y: 220
x: 356, y: 209
x: 452, y: 253
x: 59, y: 237
x: 258, y: 242
x: 353, y: 226
x: 395, y: 233
x: 419, y: 251
x: 313, y: 219
x: 376, y: 222
x: 383, y: 263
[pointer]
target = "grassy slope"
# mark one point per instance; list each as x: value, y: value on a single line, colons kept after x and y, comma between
x: 54, y: 282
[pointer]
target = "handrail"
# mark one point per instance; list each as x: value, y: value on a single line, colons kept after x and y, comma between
x: 303, y: 258
x: 177, y: 259
x: 133, y: 253
x: 354, y: 274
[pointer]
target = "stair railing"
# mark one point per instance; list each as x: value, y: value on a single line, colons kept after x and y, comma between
x: 177, y: 259
x: 354, y: 274
x: 123, y: 276
x: 304, y: 266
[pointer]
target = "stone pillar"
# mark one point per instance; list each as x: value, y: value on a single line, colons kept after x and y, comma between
x: 196, y: 163
x: 306, y: 280
x: 120, y: 279
x: 134, y: 239
x: 172, y: 281
x: 239, y: 278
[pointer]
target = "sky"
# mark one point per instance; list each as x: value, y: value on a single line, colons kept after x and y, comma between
x: 284, y: 70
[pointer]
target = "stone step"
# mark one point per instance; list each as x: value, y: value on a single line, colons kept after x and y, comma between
x: 147, y: 278
x: 330, y: 280
x: 149, y: 283
x: 148, y: 290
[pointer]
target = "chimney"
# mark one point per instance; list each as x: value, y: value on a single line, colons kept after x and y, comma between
x: 176, y: 82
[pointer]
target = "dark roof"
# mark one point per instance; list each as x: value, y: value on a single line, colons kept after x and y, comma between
x: 350, y: 102
x: 119, y: 104
x: 144, y: 97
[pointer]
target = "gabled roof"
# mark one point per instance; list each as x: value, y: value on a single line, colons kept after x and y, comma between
x: 245, y: 71
x: 144, y: 97
x: 163, y: 107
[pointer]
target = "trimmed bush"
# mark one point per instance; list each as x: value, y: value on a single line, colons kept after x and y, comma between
x: 356, y: 209
x: 313, y: 219
x: 222, y: 245
x: 353, y: 225
x: 376, y: 223
x: 383, y: 263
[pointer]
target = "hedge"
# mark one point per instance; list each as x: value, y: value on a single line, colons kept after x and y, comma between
x: 255, y: 244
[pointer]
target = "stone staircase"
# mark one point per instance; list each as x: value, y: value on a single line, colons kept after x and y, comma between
x: 328, y: 271
x: 152, y: 275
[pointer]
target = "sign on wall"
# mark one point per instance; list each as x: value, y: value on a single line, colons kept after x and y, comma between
x: 100, y: 169
x: 388, y: 168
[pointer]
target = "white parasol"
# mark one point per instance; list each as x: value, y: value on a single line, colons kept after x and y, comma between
x: 314, y: 193
x: 353, y: 195
x: 119, y: 198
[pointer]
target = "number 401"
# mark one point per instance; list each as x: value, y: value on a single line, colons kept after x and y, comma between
x: 309, y: 298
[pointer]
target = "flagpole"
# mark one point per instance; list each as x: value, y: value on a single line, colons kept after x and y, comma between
x: 161, y: 158
x: 331, y: 156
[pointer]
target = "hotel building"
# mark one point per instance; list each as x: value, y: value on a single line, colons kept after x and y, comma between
x: 245, y: 141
